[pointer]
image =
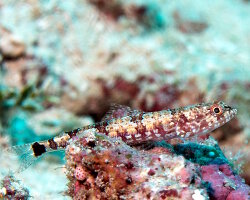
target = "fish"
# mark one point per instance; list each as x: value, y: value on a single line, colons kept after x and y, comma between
x: 137, y: 127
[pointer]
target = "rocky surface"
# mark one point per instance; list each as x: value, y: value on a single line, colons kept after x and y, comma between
x: 102, y: 168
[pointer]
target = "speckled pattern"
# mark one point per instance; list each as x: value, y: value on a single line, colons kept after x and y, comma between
x: 137, y: 127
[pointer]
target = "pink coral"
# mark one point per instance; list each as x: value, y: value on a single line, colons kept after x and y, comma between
x: 10, y: 188
x: 115, y: 170
x: 80, y: 173
x: 111, y: 169
x: 224, y: 183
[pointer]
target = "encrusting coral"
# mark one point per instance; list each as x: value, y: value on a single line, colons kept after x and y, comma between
x: 12, y: 189
x: 99, y: 167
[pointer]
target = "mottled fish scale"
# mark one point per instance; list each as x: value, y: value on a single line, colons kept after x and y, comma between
x: 135, y: 127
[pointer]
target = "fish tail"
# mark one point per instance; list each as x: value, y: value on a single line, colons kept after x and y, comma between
x: 28, y: 154
x: 25, y: 155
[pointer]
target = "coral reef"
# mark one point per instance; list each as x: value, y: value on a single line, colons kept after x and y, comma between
x: 99, y: 167
x: 12, y: 189
x: 63, y: 63
x: 223, y: 183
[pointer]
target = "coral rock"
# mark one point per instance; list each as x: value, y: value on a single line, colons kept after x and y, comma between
x: 79, y: 173
x: 99, y: 167
x: 12, y: 189
x: 224, y: 183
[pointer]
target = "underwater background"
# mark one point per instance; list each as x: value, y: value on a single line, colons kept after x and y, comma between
x: 62, y: 63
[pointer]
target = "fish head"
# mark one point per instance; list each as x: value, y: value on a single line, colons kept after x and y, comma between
x: 204, y: 118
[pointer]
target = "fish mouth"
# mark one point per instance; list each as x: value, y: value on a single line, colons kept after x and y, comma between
x: 233, y: 112
x: 228, y: 117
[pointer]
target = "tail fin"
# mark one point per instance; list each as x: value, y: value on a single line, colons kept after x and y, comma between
x: 25, y: 154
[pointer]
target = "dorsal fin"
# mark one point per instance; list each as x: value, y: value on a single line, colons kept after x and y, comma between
x: 119, y: 111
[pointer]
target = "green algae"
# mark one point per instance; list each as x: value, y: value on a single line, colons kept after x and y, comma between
x: 201, y: 154
x: 197, y: 153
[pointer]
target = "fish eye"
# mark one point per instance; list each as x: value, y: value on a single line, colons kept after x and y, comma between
x: 216, y: 109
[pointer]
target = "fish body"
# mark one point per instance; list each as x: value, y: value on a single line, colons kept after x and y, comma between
x: 135, y: 127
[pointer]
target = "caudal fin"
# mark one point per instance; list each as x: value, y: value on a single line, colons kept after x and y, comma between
x: 25, y: 155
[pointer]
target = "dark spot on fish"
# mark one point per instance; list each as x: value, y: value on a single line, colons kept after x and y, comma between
x: 52, y: 144
x: 101, y: 127
x: 134, y: 118
x: 173, y: 111
x: 228, y: 107
x: 91, y: 144
x: 63, y: 144
x: 140, y: 116
x: 38, y: 149
x: 73, y: 132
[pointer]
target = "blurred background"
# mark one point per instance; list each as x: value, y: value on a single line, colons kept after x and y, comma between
x: 62, y: 63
